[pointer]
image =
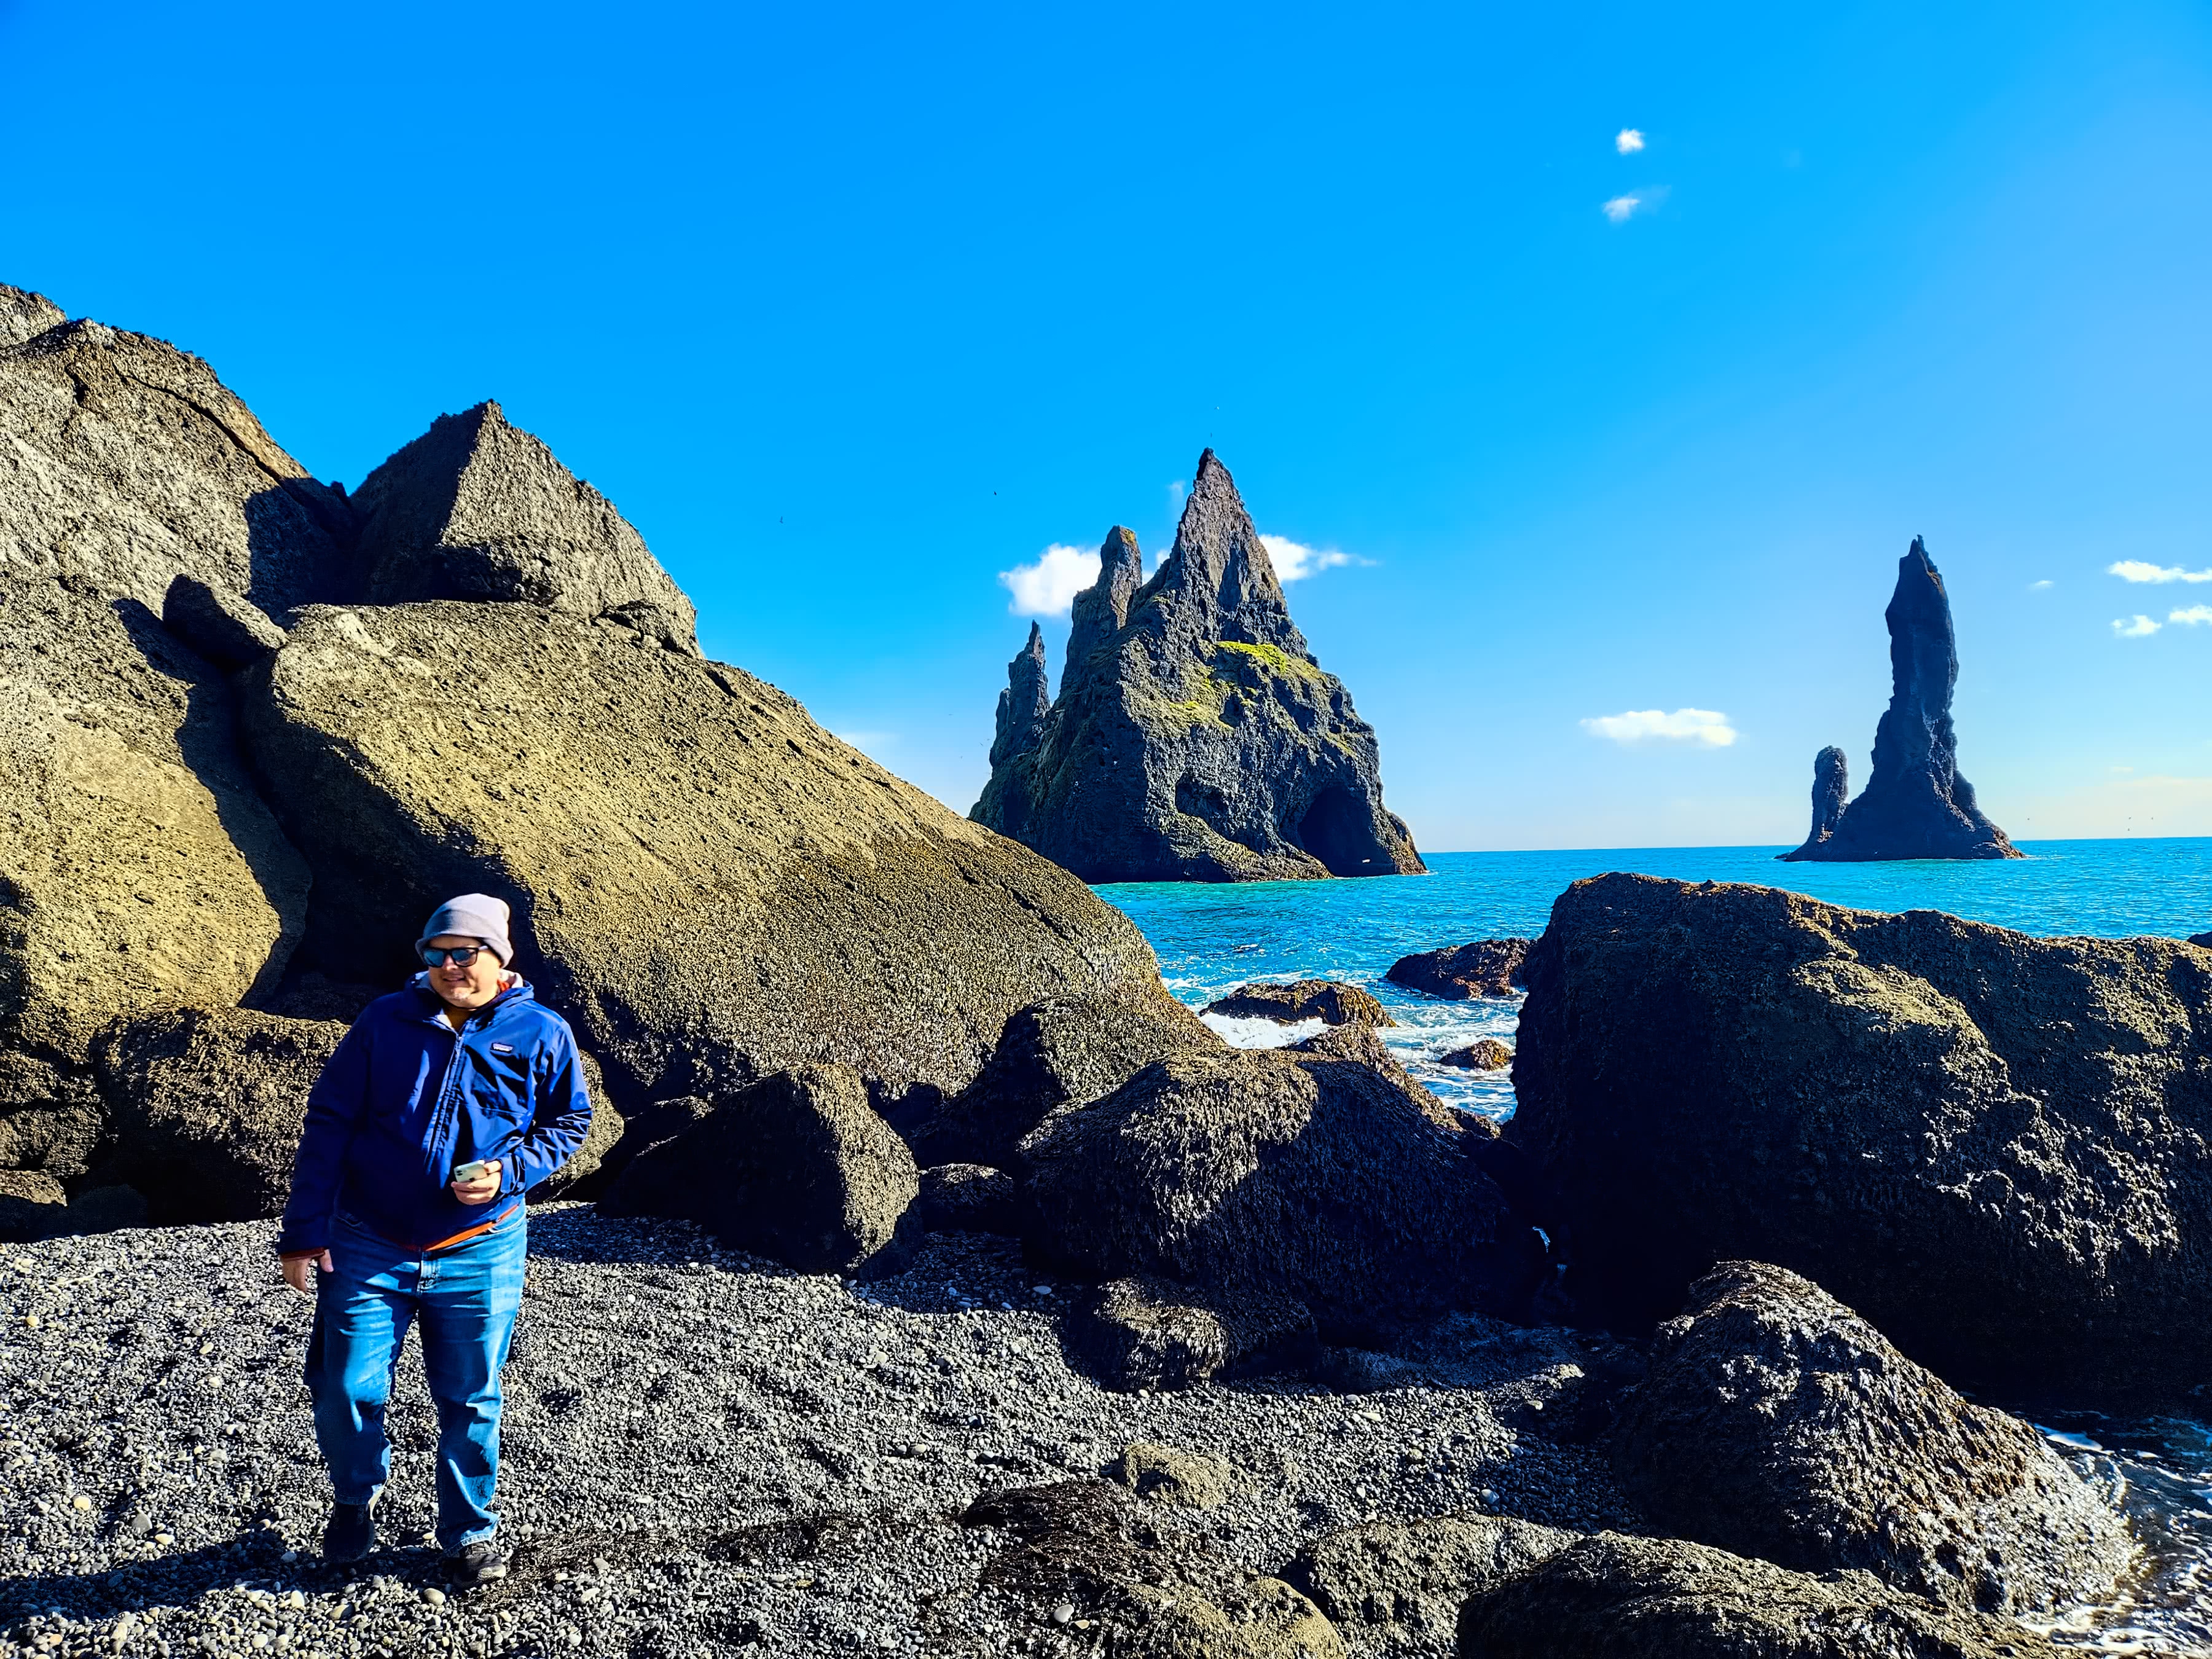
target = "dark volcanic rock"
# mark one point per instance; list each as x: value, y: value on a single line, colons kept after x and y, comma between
x: 1483, y: 1054
x: 2204, y: 939
x: 1400, y: 1584
x: 798, y: 1166
x: 1320, y: 1179
x: 32, y: 1206
x: 1024, y: 703
x: 51, y: 1117
x: 1916, y: 804
x: 1775, y: 1422
x: 1100, y: 609
x: 476, y: 508
x: 969, y: 1197
x: 1199, y: 742
x: 1324, y: 999
x: 1061, y: 1051
x: 707, y: 884
x: 1661, y: 1598
x: 1150, y: 1333
x: 1486, y: 968
x: 1965, y: 1132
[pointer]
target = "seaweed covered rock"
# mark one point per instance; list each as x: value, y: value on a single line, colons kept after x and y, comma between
x: 1400, y: 1584
x: 1309, y: 1176
x: 1661, y: 1598
x: 1485, y: 968
x: 969, y: 1198
x: 1776, y: 1423
x: 1483, y: 1054
x: 798, y: 1166
x: 1323, y: 1000
x: 1151, y: 1333
x: 707, y: 884
x: 1963, y: 1132
x: 1196, y: 739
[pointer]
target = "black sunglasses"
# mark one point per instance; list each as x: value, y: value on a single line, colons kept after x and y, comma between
x: 460, y: 955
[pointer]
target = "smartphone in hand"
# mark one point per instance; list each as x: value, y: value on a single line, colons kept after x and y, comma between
x: 463, y: 1173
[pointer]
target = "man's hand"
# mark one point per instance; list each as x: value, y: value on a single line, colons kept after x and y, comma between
x: 296, y: 1269
x: 481, y: 1190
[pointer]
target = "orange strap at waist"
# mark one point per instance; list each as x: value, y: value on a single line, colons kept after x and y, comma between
x: 481, y: 1228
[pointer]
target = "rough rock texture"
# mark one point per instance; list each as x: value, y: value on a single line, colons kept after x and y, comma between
x: 51, y: 1117
x: 1400, y: 1584
x: 798, y: 1168
x: 1661, y: 1598
x: 1302, y: 1175
x: 1059, y: 1051
x: 1486, y: 968
x: 1023, y: 704
x: 1832, y: 793
x: 124, y: 462
x: 1776, y: 1423
x: 1100, y: 609
x: 228, y: 631
x: 1199, y: 742
x: 1324, y: 999
x: 208, y: 1107
x: 707, y: 884
x: 1483, y: 1054
x: 32, y: 1206
x: 1150, y: 1333
x: 138, y: 868
x: 969, y: 1197
x: 1916, y: 803
x: 476, y: 508
x: 1163, y: 1474
x: 1965, y: 1132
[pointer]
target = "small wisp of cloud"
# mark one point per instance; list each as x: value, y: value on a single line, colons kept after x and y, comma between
x: 1628, y: 141
x: 2141, y: 628
x: 2196, y: 616
x: 1294, y: 561
x: 1048, y: 585
x: 1621, y: 209
x: 2136, y: 570
x: 1703, y: 728
x: 2037, y: 587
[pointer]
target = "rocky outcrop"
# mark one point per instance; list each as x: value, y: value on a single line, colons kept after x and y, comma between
x: 969, y: 1198
x: 1099, y: 611
x: 1398, y: 1585
x: 707, y: 884
x: 1199, y: 740
x: 1776, y: 1423
x: 476, y: 508
x: 798, y: 1168
x: 1661, y: 1598
x: 1486, y: 968
x: 1151, y: 1333
x: 1483, y: 1054
x: 1323, y: 1000
x: 1024, y: 703
x: 53, y: 1119
x: 2204, y: 939
x: 32, y: 1206
x: 1916, y: 803
x: 1301, y: 1175
x: 1989, y: 1145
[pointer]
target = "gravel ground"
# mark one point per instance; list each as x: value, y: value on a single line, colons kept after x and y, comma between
x: 703, y: 1453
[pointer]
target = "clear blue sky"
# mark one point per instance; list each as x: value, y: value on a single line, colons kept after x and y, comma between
x: 851, y: 309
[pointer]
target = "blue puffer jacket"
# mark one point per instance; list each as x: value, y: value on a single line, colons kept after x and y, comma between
x: 406, y: 1097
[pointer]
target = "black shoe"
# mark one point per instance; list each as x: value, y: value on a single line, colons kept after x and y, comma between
x: 351, y: 1533
x: 478, y: 1563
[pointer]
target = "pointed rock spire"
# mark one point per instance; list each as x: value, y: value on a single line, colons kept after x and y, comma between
x: 1219, y: 570
x: 1101, y: 608
x: 1024, y: 703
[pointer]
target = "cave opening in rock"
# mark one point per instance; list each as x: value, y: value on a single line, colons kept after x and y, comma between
x: 1337, y: 829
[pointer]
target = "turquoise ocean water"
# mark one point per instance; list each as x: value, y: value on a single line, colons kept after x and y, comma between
x: 1210, y: 939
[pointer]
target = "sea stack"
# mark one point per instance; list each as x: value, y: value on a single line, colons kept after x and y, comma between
x: 1195, y: 738
x: 1917, y: 805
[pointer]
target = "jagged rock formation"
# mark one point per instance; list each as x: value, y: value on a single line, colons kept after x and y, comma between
x: 1024, y: 703
x: 1325, y: 999
x: 1195, y: 738
x: 1916, y: 803
x: 1965, y: 1132
x: 1458, y: 973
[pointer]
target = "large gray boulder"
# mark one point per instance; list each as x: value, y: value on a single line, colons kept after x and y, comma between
x: 1151, y: 1333
x: 1307, y: 1176
x: 798, y: 1166
x: 707, y: 884
x: 476, y: 508
x: 1661, y: 1598
x: 1196, y: 739
x: 1991, y: 1145
x: 1399, y: 1585
x: 51, y: 1117
x: 1776, y: 1422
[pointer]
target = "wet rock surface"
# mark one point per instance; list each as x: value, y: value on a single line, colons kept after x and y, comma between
x: 1196, y: 738
x: 1324, y: 999
x: 1485, y: 968
x: 1483, y: 1054
x: 1776, y: 1423
x: 1963, y: 1133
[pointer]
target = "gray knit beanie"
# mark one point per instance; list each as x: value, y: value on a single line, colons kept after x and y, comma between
x: 472, y: 915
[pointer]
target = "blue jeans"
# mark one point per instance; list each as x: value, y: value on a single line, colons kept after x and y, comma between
x: 466, y: 1297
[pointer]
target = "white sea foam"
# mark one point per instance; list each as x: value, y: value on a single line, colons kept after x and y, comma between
x: 1263, y: 1033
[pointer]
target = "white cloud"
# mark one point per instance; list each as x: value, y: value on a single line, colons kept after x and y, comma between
x: 1619, y: 209
x: 1295, y: 561
x: 1701, y: 726
x: 1628, y: 141
x: 2134, y: 570
x: 2037, y: 587
x: 2196, y: 615
x: 2141, y: 626
x: 1048, y: 588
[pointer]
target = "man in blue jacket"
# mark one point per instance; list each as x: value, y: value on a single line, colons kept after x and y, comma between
x: 444, y: 1105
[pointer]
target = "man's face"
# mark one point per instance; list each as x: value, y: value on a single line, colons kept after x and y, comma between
x: 464, y: 988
